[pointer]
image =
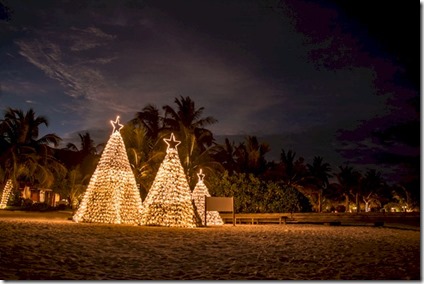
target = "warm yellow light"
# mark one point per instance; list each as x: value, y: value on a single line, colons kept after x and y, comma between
x: 115, y: 125
x: 6, y: 193
x: 112, y: 195
x: 171, y: 142
x: 169, y: 201
x: 199, y: 192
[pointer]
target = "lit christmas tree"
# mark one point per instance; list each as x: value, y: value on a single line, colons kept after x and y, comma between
x: 169, y: 201
x: 199, y: 192
x: 6, y: 193
x: 112, y: 195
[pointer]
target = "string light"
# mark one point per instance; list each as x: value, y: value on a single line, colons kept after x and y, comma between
x: 169, y: 201
x: 199, y: 192
x: 171, y: 142
x: 6, y: 193
x: 112, y: 195
x: 115, y: 125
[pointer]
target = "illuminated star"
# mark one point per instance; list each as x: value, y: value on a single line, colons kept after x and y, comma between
x: 201, y: 175
x: 171, y: 142
x: 115, y: 125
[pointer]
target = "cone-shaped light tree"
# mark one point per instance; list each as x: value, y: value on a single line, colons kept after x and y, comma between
x: 112, y: 195
x: 168, y: 202
x: 199, y: 192
x: 6, y: 193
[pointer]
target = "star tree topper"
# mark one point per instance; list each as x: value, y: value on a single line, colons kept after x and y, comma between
x: 201, y: 175
x: 171, y: 142
x: 115, y: 125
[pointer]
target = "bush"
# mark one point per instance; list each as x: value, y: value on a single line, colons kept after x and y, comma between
x: 283, y: 198
x: 42, y: 207
x: 251, y: 195
x: 15, y: 198
x: 341, y: 208
x: 61, y: 207
x: 27, y: 203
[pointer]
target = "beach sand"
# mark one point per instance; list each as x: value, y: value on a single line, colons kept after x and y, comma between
x: 48, y: 246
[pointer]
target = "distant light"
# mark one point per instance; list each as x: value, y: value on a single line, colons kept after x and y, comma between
x: 6, y: 193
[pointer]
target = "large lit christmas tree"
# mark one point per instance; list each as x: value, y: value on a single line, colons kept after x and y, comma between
x: 169, y: 201
x: 6, y: 193
x: 112, y: 195
x: 199, y: 193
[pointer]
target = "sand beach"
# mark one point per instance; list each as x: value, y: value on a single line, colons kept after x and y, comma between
x: 49, y: 246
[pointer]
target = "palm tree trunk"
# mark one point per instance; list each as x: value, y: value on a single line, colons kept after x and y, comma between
x: 319, y: 201
x: 347, y: 202
x: 23, y: 134
x: 357, y: 203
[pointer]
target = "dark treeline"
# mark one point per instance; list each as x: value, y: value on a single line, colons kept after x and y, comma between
x: 241, y: 170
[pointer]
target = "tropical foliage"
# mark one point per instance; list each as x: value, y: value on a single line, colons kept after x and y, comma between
x: 24, y: 156
x: 232, y: 169
x: 253, y: 195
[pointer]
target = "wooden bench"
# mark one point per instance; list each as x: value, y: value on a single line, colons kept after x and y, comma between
x: 336, y: 219
x: 255, y: 218
x: 332, y: 219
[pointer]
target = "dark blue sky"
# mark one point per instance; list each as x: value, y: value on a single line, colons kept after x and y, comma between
x: 318, y: 76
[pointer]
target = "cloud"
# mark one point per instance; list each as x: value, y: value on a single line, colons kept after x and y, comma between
x: 49, y: 51
x: 91, y: 37
x: 47, y: 56
x: 127, y: 58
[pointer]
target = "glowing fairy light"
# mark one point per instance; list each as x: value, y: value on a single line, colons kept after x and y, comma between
x: 116, y: 124
x: 171, y: 142
x: 201, y: 176
x: 6, y: 193
x: 169, y: 201
x: 199, y: 192
x: 112, y: 195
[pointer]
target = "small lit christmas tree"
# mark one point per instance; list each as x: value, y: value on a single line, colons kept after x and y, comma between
x: 199, y: 192
x: 168, y: 202
x: 112, y: 195
x: 6, y: 193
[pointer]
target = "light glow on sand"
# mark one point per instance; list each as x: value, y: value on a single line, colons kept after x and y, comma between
x: 169, y: 201
x: 112, y: 195
x: 6, y: 193
x: 199, y: 192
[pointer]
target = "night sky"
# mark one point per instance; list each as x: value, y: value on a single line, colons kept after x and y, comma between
x: 336, y: 79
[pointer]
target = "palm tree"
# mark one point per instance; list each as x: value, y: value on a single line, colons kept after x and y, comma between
x: 404, y: 198
x: 250, y: 156
x: 294, y: 171
x: 319, y: 173
x: 144, y: 157
x: 349, y: 180
x: 85, y: 157
x: 186, y: 122
x: 150, y: 120
x: 226, y: 156
x: 87, y: 145
x: 189, y: 127
x: 188, y: 117
x: 25, y: 156
x: 371, y: 187
x: 76, y: 186
x: 24, y: 128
